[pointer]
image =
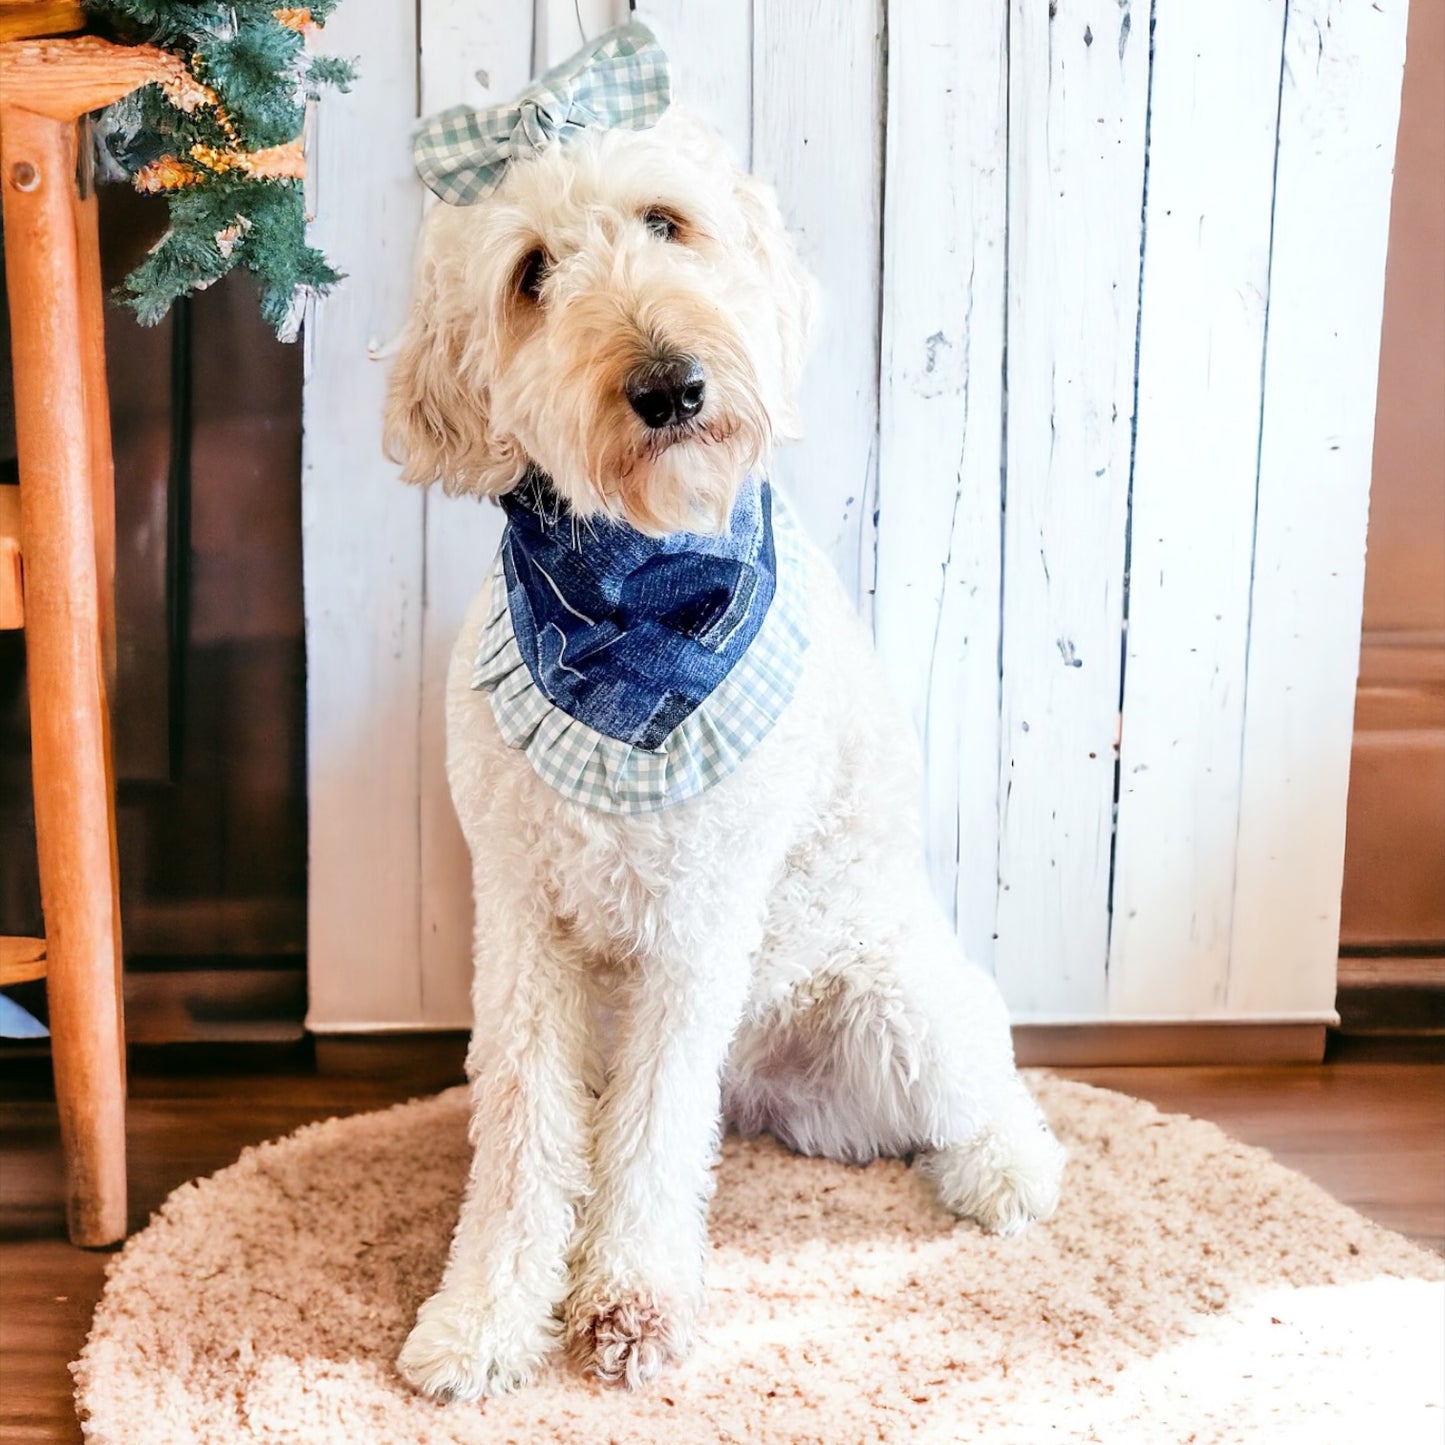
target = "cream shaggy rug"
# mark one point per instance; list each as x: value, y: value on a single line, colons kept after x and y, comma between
x: 1190, y: 1289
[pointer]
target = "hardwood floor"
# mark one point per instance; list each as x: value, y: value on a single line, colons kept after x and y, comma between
x: 1368, y: 1126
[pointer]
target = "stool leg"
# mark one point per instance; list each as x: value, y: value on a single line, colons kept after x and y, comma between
x: 102, y: 498
x: 97, y: 406
x: 74, y: 805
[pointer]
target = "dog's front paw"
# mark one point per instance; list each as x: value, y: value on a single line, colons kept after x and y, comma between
x: 462, y: 1349
x: 626, y: 1334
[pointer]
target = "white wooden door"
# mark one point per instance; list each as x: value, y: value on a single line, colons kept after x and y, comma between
x: 1089, y: 435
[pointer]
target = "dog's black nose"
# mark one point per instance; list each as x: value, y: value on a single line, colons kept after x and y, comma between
x: 665, y: 392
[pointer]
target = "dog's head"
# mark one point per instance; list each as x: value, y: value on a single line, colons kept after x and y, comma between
x: 626, y: 313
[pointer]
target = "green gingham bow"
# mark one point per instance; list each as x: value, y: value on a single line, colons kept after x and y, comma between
x: 619, y: 80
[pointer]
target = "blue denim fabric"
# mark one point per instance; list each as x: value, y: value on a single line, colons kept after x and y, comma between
x: 629, y: 633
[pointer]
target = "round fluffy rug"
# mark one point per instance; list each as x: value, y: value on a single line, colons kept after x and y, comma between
x: 1189, y: 1289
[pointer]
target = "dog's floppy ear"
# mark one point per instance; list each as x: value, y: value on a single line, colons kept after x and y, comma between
x: 437, y: 424
x: 794, y: 289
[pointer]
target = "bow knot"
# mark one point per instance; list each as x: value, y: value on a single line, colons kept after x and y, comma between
x: 618, y: 81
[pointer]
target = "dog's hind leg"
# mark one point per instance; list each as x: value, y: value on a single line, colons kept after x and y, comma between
x: 898, y: 1045
x: 987, y: 1145
x: 1007, y: 1174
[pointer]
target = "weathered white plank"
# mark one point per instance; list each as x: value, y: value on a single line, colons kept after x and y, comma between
x: 388, y: 576
x: 564, y: 26
x: 458, y: 40
x: 710, y: 48
x: 817, y: 117
x: 1077, y: 100
x: 362, y: 542
x: 1214, y: 103
x: 1339, y: 107
x: 936, y: 612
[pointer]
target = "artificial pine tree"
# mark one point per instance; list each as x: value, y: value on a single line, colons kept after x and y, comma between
x: 223, y: 146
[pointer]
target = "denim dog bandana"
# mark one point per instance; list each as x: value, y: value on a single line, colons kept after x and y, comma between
x: 619, y: 81
x: 637, y: 671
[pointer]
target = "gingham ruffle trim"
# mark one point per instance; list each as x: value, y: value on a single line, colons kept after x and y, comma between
x: 615, y: 777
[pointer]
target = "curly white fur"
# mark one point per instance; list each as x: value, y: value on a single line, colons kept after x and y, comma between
x: 770, y: 949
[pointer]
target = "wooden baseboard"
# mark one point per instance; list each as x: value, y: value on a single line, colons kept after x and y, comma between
x: 1398, y: 995
x: 1086, y: 1045
x: 235, y: 1005
x: 1073, y: 1045
x: 264, y: 1005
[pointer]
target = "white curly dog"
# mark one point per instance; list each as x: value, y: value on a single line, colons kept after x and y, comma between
x: 768, y: 952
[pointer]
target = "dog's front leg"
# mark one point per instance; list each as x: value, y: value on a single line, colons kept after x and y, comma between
x: 493, y: 1321
x: 637, y: 1269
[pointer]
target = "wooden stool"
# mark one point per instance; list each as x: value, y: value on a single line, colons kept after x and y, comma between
x: 57, y: 554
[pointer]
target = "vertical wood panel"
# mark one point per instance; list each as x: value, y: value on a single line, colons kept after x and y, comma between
x: 1214, y: 102
x: 362, y: 544
x: 817, y: 131
x: 1339, y: 107
x: 458, y: 40
x: 564, y: 26
x: 941, y: 427
x: 711, y: 50
x: 1027, y: 224
x: 1078, y: 87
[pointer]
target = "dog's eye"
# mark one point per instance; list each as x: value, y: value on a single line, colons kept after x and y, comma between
x: 531, y: 272
x: 663, y: 224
